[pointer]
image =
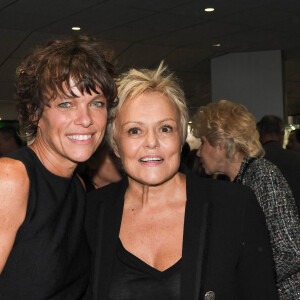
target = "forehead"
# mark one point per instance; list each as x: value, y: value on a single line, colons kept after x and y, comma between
x: 148, y: 104
x: 69, y: 89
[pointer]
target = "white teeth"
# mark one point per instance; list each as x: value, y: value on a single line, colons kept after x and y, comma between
x: 80, y: 137
x: 147, y: 159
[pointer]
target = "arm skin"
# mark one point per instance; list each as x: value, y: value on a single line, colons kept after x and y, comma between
x: 14, y: 191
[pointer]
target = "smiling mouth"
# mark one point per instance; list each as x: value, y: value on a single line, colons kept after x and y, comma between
x: 150, y: 159
x: 81, y: 137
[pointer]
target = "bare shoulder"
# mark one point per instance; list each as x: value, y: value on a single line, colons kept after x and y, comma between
x: 12, y: 173
x: 14, y: 186
x: 14, y: 190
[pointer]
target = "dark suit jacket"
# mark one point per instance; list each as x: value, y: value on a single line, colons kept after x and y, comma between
x: 288, y: 162
x: 225, y: 246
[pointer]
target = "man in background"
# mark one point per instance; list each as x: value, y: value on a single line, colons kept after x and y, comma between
x: 9, y: 140
x: 271, y: 130
x: 294, y: 140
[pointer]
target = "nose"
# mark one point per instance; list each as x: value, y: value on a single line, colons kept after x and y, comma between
x: 151, y: 140
x: 198, y: 153
x: 83, y: 117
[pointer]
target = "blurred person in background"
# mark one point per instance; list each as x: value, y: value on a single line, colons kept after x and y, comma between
x: 9, y: 140
x: 231, y: 146
x: 294, y: 140
x: 271, y: 131
x: 101, y: 169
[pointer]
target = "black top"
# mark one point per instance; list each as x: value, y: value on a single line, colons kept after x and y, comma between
x: 134, y: 279
x: 225, y: 252
x: 50, y: 256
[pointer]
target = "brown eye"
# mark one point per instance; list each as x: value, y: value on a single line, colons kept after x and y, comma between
x: 166, y: 128
x: 134, y: 130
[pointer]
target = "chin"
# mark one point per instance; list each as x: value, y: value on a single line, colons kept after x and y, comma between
x: 82, y: 157
x: 207, y: 172
x: 154, y: 180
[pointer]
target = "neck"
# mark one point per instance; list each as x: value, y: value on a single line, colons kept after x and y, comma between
x: 272, y: 137
x: 233, y: 166
x: 52, y: 163
x: 170, y: 191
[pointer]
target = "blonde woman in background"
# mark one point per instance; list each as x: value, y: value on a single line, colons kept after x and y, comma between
x: 230, y: 145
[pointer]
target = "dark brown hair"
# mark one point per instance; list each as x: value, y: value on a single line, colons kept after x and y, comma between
x: 48, y: 71
x: 270, y: 125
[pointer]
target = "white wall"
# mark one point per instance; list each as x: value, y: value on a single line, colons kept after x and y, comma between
x: 252, y: 78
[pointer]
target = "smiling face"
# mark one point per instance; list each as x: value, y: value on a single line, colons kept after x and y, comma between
x: 147, y: 137
x: 71, y: 129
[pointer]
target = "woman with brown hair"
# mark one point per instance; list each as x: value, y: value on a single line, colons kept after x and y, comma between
x: 64, y: 91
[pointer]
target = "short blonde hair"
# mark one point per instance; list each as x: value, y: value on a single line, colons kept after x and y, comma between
x: 230, y: 123
x: 138, y: 81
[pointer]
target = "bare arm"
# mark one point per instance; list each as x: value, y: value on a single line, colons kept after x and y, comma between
x: 14, y: 190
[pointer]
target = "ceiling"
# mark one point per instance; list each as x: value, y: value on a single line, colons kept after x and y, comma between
x: 143, y: 32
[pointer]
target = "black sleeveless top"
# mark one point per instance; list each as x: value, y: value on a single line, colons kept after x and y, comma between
x: 133, y: 279
x: 50, y: 256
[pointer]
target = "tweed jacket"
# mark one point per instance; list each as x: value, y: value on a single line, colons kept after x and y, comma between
x: 278, y: 204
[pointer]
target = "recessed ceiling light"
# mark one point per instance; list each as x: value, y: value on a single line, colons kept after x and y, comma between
x: 209, y: 9
x: 216, y: 45
x: 76, y: 28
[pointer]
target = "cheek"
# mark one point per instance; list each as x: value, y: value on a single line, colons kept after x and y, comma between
x: 45, y: 124
x: 129, y: 148
x: 101, y: 119
x: 172, y: 148
x: 122, y: 148
x: 172, y: 144
x: 203, y: 152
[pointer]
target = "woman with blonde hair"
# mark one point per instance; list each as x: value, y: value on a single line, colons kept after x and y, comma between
x: 230, y: 145
x: 163, y: 232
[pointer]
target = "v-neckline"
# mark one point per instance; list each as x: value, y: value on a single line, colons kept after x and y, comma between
x: 134, y: 261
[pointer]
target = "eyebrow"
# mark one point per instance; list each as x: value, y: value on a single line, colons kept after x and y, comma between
x: 97, y: 96
x: 140, y: 123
